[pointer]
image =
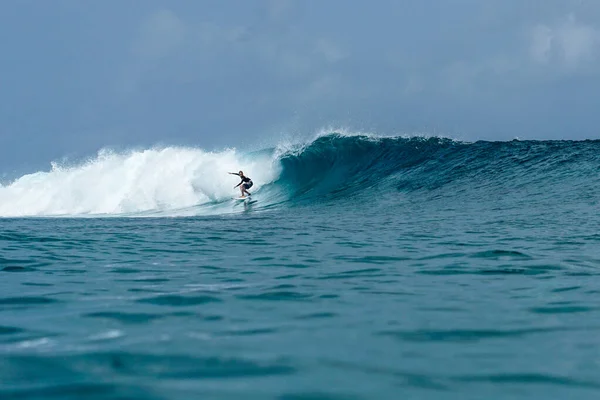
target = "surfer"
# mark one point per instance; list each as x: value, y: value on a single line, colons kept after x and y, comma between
x: 245, y: 184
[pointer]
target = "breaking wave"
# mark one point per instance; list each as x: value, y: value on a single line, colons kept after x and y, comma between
x: 187, y: 181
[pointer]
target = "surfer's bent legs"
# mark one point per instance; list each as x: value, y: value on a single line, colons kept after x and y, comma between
x: 244, y: 189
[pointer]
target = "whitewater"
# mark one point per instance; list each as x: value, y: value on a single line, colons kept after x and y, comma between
x: 364, y: 267
x: 132, y: 182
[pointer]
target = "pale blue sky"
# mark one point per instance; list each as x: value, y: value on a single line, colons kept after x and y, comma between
x: 77, y: 75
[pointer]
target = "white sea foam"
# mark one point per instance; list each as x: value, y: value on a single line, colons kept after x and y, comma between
x: 116, y: 183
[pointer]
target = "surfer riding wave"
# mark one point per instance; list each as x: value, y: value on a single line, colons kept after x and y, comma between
x: 245, y: 184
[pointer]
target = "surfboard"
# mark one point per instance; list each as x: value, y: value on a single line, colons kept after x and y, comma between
x: 242, y: 198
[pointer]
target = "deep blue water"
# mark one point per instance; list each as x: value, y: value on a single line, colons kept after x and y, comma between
x: 369, y: 269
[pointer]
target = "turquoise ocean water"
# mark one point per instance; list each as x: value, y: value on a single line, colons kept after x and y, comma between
x: 362, y: 268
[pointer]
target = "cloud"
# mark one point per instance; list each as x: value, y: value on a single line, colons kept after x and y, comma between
x: 330, y: 50
x: 568, y: 45
x: 551, y: 52
x: 541, y: 44
x: 168, y: 49
x: 159, y: 34
x: 279, y: 10
x: 414, y: 85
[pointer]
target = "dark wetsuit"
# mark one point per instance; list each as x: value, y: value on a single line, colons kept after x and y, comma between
x: 247, y: 182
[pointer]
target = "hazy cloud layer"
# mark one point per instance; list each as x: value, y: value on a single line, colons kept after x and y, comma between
x: 78, y: 76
